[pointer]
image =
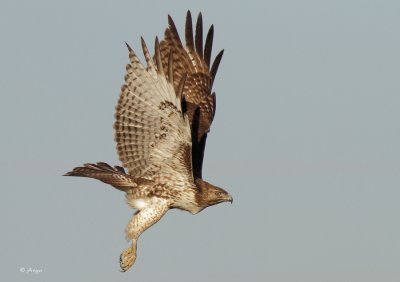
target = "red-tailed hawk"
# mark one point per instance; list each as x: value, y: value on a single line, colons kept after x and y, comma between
x: 163, y: 116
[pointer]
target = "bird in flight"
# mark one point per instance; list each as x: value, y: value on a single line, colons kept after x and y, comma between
x: 164, y: 113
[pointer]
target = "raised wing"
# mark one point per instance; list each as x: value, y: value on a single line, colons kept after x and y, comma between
x: 152, y: 134
x: 194, y: 61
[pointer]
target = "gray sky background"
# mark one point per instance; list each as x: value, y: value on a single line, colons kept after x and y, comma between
x: 306, y: 138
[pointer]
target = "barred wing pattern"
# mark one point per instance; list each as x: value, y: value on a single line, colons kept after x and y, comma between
x: 194, y: 61
x: 152, y: 134
x: 115, y: 176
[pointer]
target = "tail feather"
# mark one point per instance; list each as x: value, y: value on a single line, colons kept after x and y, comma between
x: 119, y: 168
x: 114, y: 176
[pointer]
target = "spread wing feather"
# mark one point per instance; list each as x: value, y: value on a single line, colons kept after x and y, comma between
x: 195, y: 61
x: 152, y: 134
x: 114, y: 176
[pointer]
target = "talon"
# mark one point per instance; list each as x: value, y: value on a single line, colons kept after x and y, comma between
x: 127, y: 258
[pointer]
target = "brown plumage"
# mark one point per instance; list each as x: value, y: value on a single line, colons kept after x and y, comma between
x: 162, y: 118
x: 191, y: 60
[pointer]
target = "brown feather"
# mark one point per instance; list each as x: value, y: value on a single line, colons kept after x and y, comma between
x: 199, y: 103
x: 181, y: 87
x: 189, y: 31
x: 215, y: 66
x: 147, y: 56
x: 199, y: 36
x: 208, y: 46
x: 173, y: 29
x: 158, y: 57
x: 107, y: 174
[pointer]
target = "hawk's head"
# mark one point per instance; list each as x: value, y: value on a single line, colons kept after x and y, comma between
x: 211, y: 195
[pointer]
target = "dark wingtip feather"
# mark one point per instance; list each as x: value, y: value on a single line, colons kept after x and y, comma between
x: 199, y: 35
x: 215, y: 65
x: 171, y: 22
x: 172, y: 28
x: 189, y: 31
x: 208, y: 46
x: 144, y: 45
x: 129, y: 47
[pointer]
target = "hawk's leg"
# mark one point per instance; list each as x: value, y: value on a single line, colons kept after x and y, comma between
x: 141, y: 221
